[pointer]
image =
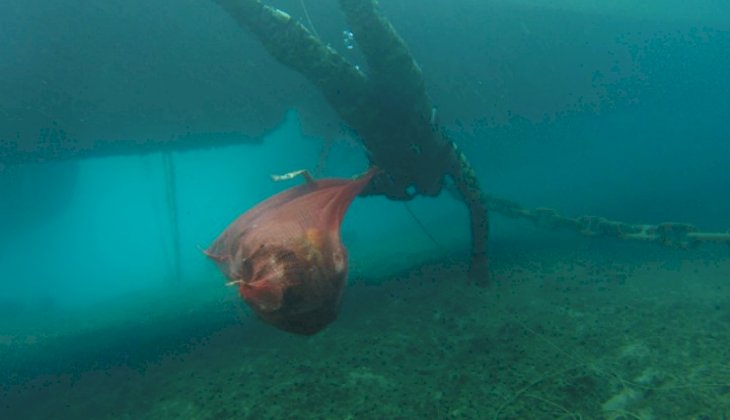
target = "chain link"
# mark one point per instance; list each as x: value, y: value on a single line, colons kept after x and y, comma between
x: 671, y: 235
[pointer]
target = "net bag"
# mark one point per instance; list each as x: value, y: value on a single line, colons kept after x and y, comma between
x: 286, y: 255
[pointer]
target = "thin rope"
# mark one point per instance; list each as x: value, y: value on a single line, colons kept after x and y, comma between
x: 168, y: 164
x: 423, y: 228
x: 309, y: 19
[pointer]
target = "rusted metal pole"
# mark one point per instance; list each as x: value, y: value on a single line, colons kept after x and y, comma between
x: 388, y: 108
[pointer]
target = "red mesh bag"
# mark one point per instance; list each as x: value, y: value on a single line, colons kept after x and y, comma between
x: 286, y: 255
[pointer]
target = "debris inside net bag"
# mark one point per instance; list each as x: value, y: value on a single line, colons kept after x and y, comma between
x: 286, y: 255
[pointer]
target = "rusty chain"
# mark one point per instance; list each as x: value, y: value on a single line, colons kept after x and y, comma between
x: 671, y: 235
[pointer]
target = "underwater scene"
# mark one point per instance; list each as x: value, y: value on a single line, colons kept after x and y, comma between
x: 361, y: 209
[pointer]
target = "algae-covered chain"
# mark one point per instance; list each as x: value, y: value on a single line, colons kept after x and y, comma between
x: 671, y: 235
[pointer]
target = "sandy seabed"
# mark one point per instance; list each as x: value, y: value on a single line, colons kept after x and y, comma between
x: 590, y: 331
